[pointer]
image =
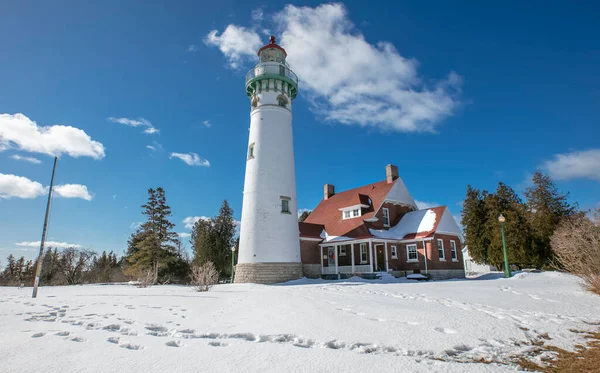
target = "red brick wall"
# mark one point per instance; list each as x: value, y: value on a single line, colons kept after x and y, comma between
x: 309, y: 252
x: 436, y: 263
x: 396, y: 213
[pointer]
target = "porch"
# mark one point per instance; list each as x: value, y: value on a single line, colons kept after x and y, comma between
x: 355, y: 257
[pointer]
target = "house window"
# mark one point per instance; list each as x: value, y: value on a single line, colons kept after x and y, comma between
x: 346, y: 214
x: 411, y: 253
x: 386, y: 217
x: 363, y: 252
x: 251, y: 151
x: 453, y: 247
x: 441, y: 249
x: 343, y: 250
x: 394, y: 253
x: 355, y: 212
x: 285, y: 205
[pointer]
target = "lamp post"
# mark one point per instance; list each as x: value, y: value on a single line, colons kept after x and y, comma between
x: 502, y: 219
x: 232, y: 263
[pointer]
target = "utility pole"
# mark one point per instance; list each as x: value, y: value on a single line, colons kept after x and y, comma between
x: 38, y: 267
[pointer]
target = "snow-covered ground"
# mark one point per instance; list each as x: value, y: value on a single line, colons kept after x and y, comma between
x: 303, y: 326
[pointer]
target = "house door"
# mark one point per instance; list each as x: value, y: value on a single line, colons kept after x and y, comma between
x: 331, y: 256
x: 380, y: 258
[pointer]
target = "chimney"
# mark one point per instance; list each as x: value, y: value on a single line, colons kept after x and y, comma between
x: 391, y: 173
x: 328, y: 191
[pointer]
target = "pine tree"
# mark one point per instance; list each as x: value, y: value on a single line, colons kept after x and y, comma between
x: 10, y: 266
x: 47, y: 267
x: 546, y: 207
x: 473, y: 220
x: 154, y: 245
x: 212, y: 239
x: 506, y: 202
x: 303, y: 216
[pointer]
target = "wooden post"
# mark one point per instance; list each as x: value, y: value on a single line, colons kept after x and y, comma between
x: 321, y: 252
x: 352, y: 253
x: 387, y: 267
x: 38, y: 267
x: 371, y: 254
x: 337, y: 251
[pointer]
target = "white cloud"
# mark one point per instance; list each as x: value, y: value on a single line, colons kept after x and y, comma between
x: 257, y: 14
x: 301, y: 211
x: 426, y: 205
x: 346, y: 78
x: 26, y: 159
x: 47, y: 244
x: 155, y: 146
x: 191, y: 220
x: 135, y: 225
x: 192, y: 48
x: 191, y: 159
x: 20, y: 132
x: 21, y: 187
x: 73, y: 191
x: 206, y: 123
x: 184, y: 235
x: 236, y: 43
x: 149, y: 128
x: 582, y: 164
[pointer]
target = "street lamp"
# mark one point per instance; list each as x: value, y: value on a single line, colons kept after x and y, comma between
x: 502, y: 219
x: 232, y: 263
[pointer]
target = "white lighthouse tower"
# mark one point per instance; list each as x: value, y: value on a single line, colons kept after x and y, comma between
x: 269, y: 250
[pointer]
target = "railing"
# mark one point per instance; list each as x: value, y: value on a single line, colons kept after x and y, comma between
x: 271, y: 68
x: 346, y: 269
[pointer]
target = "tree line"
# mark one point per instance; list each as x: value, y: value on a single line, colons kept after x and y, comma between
x: 530, y: 223
x: 155, y: 253
x: 69, y: 266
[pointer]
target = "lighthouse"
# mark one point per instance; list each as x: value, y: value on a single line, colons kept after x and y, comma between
x: 269, y: 250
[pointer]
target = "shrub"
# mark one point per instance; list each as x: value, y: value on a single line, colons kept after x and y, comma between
x: 576, y: 244
x: 204, y: 276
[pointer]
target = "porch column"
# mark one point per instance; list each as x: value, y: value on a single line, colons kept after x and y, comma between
x: 352, y: 254
x: 371, y: 254
x: 321, y: 252
x: 376, y: 265
x: 337, y: 252
x: 387, y: 267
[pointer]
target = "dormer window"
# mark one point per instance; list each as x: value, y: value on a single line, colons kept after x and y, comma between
x: 352, y: 211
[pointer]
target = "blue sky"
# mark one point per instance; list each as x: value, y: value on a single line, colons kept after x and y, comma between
x: 451, y: 94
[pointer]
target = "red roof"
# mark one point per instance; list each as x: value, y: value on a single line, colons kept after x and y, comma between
x: 328, y: 214
x: 309, y: 230
x: 272, y: 44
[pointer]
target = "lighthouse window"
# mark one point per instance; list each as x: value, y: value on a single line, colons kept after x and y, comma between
x: 285, y: 205
x: 282, y: 100
x: 251, y: 151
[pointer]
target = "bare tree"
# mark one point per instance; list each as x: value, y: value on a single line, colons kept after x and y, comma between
x: 576, y: 244
x: 204, y: 276
x: 74, y: 263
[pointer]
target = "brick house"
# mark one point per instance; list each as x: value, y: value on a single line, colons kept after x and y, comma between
x: 379, y: 228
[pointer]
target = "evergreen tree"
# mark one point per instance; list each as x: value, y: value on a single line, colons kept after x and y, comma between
x: 10, y: 269
x: 47, y: 267
x: 212, y: 239
x: 546, y: 207
x: 303, y: 216
x: 516, y: 229
x: 473, y: 220
x: 154, y: 245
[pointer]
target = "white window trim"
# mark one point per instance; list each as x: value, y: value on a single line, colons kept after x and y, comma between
x: 343, y: 253
x: 251, y: 149
x: 394, y: 251
x: 454, y: 251
x: 356, y: 213
x: 350, y: 210
x: 363, y: 250
x: 344, y: 215
x: 408, y: 253
x: 443, y: 257
x: 386, y: 214
x: 288, y: 199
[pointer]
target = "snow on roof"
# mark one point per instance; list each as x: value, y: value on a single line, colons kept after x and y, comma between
x: 328, y: 238
x: 399, y: 193
x: 412, y: 222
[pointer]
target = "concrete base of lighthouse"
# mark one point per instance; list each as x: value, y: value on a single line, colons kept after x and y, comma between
x: 267, y: 273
